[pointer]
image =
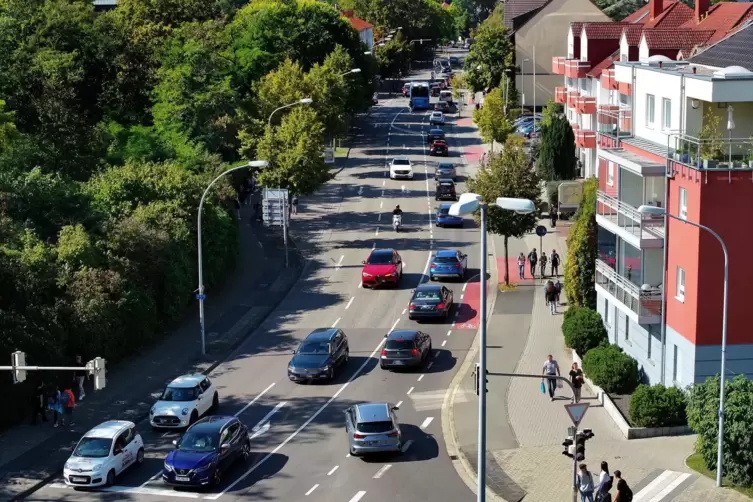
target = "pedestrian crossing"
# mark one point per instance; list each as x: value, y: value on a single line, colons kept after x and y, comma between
x: 662, y: 486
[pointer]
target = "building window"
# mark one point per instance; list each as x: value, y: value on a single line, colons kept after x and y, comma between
x: 650, y: 104
x: 666, y: 105
x: 680, y: 293
x: 684, y: 203
x: 610, y: 174
x: 675, y: 364
x: 627, y: 328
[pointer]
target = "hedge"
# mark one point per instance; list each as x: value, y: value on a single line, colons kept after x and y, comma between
x: 583, y: 329
x: 611, y: 369
x: 580, y: 266
x: 658, y: 406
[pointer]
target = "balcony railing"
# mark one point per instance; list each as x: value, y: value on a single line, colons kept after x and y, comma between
x: 645, y: 304
x: 576, y: 69
x: 626, y: 217
x: 607, y: 80
x: 715, y: 154
x: 615, y: 120
x: 560, y: 95
x: 572, y: 98
x: 558, y: 65
x: 585, y: 139
x: 585, y: 104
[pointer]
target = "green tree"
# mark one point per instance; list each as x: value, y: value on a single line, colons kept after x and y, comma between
x: 508, y: 174
x: 580, y: 268
x: 294, y: 152
x: 551, y: 111
x: 556, y: 159
x: 393, y: 57
x: 491, y: 54
x: 491, y: 119
x: 8, y: 132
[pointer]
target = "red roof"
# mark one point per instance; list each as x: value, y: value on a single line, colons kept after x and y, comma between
x: 604, y: 65
x: 722, y: 18
x: 604, y: 31
x: 676, y: 39
x: 674, y: 14
x: 576, y: 28
x: 358, y: 24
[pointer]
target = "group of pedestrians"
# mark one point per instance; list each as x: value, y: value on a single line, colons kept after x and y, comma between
x: 593, y: 491
x: 59, y: 400
x: 535, y: 262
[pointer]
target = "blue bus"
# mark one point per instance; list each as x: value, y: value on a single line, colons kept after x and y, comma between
x: 419, y: 96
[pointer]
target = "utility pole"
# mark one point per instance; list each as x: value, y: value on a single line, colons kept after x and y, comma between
x: 95, y: 368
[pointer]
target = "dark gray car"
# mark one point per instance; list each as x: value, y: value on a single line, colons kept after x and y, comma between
x: 405, y: 348
x: 446, y: 170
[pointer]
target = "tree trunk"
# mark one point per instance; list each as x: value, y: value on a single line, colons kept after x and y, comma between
x: 507, y: 265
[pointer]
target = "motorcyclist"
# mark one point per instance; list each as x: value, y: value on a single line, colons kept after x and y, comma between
x: 397, y: 211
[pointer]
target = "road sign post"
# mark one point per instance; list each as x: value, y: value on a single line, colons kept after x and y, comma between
x: 275, y: 212
x: 576, y: 412
x: 541, y: 232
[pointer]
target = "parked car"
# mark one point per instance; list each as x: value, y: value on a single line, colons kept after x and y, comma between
x: 442, y: 106
x: 445, y: 219
x: 448, y: 263
x: 103, y: 453
x: 373, y: 428
x: 406, y: 90
x: 436, y: 118
x: 434, y: 135
x: 382, y: 267
x: 401, y: 167
x: 445, y: 190
x: 439, y: 147
x: 319, y: 356
x: 430, y: 301
x: 206, y: 451
x: 446, y: 170
x: 184, y: 401
x: 405, y: 348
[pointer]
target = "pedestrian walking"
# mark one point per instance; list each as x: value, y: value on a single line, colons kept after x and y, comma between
x: 238, y: 207
x: 543, y: 261
x: 576, y: 377
x: 54, y: 405
x: 605, y: 484
x: 295, y: 204
x: 554, y: 259
x: 553, y: 217
x: 557, y: 291
x: 624, y: 493
x: 551, y: 369
x: 79, y: 377
x: 522, y: 266
x: 257, y: 212
x: 585, y: 483
x: 551, y: 297
x: 38, y: 403
x: 533, y: 259
x: 68, y: 402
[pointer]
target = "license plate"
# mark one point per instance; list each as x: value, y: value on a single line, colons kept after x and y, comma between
x: 374, y: 443
x: 399, y: 363
x: 182, y: 478
x: 76, y: 479
x: 426, y: 307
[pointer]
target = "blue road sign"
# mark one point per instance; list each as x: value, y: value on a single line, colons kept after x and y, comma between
x: 541, y: 230
x: 201, y: 297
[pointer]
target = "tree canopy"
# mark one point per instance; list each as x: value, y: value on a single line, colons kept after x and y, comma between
x: 491, y: 54
x: 493, y: 123
x: 556, y: 155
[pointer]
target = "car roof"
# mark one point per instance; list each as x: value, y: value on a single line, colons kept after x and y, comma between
x: 447, y: 252
x: 188, y: 381
x: 109, y: 429
x: 402, y: 334
x: 383, y: 251
x: 372, y: 412
x: 428, y: 287
x: 322, y: 334
x: 212, y: 424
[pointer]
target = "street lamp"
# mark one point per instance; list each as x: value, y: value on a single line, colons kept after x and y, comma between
x: 304, y: 101
x: 354, y: 70
x: 467, y: 204
x: 507, y: 84
x: 660, y: 211
x: 200, y: 295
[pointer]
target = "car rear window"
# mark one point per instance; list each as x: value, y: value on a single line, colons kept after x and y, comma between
x: 427, y: 295
x: 447, y: 186
x: 375, y: 427
x: 399, y: 344
x: 446, y: 259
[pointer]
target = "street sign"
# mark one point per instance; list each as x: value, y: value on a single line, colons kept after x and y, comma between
x: 201, y: 297
x: 329, y: 155
x: 576, y: 412
x: 541, y: 230
x: 274, y: 202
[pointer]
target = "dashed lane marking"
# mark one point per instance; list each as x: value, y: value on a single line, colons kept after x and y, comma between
x: 410, y: 390
x: 358, y: 496
x: 427, y: 422
x: 381, y: 471
x: 350, y: 302
x: 332, y: 471
x: 420, y: 378
x: 311, y: 490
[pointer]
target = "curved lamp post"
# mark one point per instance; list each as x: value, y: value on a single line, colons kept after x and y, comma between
x: 304, y: 101
x: 200, y: 295
x: 660, y: 211
x: 354, y: 70
x: 467, y: 204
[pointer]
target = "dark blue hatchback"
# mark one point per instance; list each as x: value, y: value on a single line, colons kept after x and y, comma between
x: 206, y: 451
x: 445, y: 219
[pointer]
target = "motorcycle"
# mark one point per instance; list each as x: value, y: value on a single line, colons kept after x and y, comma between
x: 397, y: 222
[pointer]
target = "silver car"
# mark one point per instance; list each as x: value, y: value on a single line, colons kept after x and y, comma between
x: 373, y: 428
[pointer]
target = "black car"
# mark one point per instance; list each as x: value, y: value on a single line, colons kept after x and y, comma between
x: 445, y: 170
x: 434, y: 135
x: 454, y: 61
x: 319, y: 356
x: 445, y: 190
x: 405, y: 348
x: 430, y: 301
x: 442, y: 106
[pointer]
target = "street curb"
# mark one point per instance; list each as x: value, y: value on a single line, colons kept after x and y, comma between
x: 222, y: 358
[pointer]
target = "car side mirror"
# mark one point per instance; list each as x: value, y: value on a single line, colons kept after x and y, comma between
x: 175, y: 442
x: 364, y: 262
x: 225, y: 446
x: 395, y: 408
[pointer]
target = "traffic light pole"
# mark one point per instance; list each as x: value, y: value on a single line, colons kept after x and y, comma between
x: 95, y: 367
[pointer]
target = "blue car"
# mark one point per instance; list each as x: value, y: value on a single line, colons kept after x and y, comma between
x: 447, y: 263
x: 445, y: 219
x: 206, y: 451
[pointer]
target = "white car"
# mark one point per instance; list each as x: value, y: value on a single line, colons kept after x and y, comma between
x: 183, y: 402
x: 401, y: 167
x: 103, y: 453
x: 437, y: 118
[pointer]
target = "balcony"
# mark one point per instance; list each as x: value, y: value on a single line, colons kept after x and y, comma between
x: 615, y: 121
x: 585, y: 104
x: 560, y: 95
x: 643, y: 307
x: 642, y: 231
x: 558, y: 65
x: 585, y: 139
x: 572, y: 98
x: 625, y: 88
x: 607, y: 80
x: 716, y: 154
x: 576, y: 69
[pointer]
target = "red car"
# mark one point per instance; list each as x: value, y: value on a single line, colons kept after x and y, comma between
x: 439, y: 148
x: 406, y: 90
x: 382, y: 267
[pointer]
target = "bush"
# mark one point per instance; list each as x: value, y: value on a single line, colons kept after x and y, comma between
x: 703, y: 405
x: 580, y: 266
x: 611, y: 369
x: 583, y: 329
x: 658, y: 406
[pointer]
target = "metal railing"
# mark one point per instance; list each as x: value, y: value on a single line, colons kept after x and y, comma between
x: 643, y: 303
x: 712, y: 154
x: 621, y: 121
x: 628, y: 218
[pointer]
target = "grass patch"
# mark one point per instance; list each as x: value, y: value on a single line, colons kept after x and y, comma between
x: 342, y: 151
x: 695, y: 462
x: 505, y: 287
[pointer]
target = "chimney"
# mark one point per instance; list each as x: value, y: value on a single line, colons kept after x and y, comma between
x: 657, y: 7
x: 701, y: 9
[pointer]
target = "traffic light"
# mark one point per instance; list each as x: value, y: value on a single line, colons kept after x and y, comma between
x: 580, y: 448
x: 96, y: 367
x: 18, y: 359
x: 568, y: 444
x: 477, y: 380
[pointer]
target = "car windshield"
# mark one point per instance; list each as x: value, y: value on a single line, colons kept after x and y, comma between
x: 201, y: 442
x: 399, y: 344
x: 93, y: 448
x: 380, y: 259
x: 375, y: 427
x: 444, y: 210
x: 311, y: 348
x: 427, y: 295
x: 179, y: 394
x: 446, y: 259
x: 401, y: 162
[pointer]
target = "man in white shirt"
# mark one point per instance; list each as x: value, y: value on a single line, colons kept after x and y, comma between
x: 551, y: 369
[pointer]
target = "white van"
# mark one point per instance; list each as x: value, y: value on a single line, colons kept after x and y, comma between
x: 446, y: 96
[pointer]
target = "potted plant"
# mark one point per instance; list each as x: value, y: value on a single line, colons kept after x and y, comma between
x: 712, y: 144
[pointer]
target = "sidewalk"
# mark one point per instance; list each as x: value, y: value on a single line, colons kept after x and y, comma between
x: 30, y: 455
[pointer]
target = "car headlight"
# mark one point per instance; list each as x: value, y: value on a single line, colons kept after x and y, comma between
x: 67, y: 466
x: 168, y: 467
x: 97, y: 468
x: 185, y: 411
x: 151, y: 412
x: 367, y: 275
x: 291, y: 368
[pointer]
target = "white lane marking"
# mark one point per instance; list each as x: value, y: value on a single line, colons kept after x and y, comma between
x: 349, y: 302
x: 264, y: 425
x: 332, y: 471
x: 426, y: 423
x: 449, y: 332
x: 407, y: 445
x: 379, y: 217
x: 444, y: 343
x: 381, y: 204
x: 136, y: 491
x: 384, y: 182
x: 402, y: 188
x: 347, y: 456
x: 465, y: 286
x: 671, y: 486
x: 428, y: 262
x: 410, y: 390
x: 403, y: 311
x: 339, y: 262
x: 393, y: 326
x: 303, y: 426
x: 336, y: 321
x: 311, y: 490
x: 360, y: 284
x: 420, y: 378
x: 258, y: 396
x: 428, y: 366
x: 453, y: 325
x: 398, y: 404
x: 381, y: 471
x: 461, y: 297
x: 358, y: 496
x: 360, y: 190
x: 377, y: 231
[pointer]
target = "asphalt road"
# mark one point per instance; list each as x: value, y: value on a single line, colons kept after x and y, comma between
x: 301, y: 450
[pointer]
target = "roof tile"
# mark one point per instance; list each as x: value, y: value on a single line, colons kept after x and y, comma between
x: 517, y: 8
x: 604, y: 65
x: 604, y: 31
x: 633, y: 34
x: 723, y: 18
x: 732, y: 51
x: 358, y: 24
x: 674, y: 39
